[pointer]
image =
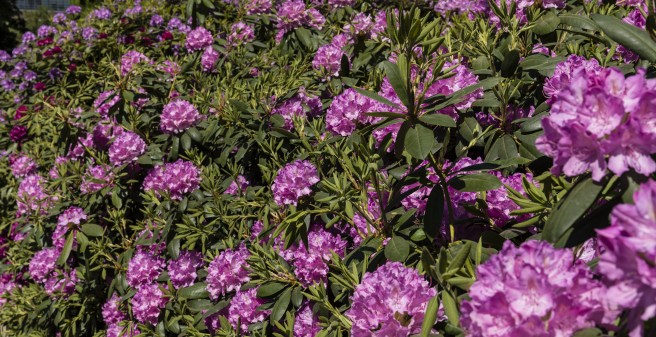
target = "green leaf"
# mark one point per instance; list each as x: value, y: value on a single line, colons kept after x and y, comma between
x: 195, y: 135
x: 434, y: 212
x: 450, y: 308
x: 475, y: 182
x: 460, y: 258
x: 397, y: 249
x: 92, y: 229
x: 430, y: 316
x: 503, y: 148
x: 438, y: 119
x: 305, y: 37
x: 116, y: 200
x: 186, y: 142
x: 199, y: 305
x: 196, y: 291
x: 174, y: 248
x: 66, y: 251
x: 419, y: 141
x: 510, y: 63
x: 589, y: 332
x: 578, y: 21
x: 627, y: 35
x: 270, y: 289
x: 546, y: 24
x: 281, y: 305
x: 575, y: 203
x: 395, y: 78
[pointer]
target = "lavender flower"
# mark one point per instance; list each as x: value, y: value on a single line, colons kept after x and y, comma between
x: 71, y: 216
x: 147, y: 303
x: 390, y: 301
x: 176, y: 179
x: 198, y: 39
x: 244, y: 309
x: 182, y: 271
x: 43, y: 263
x: 111, y: 312
x: 144, y: 268
x: 227, y: 272
x: 294, y: 181
x: 96, y: 178
x: 209, y: 58
x: 23, y: 166
x: 126, y: 148
x: 178, y: 116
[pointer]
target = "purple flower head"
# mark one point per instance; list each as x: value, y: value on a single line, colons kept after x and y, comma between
x: 390, y: 301
x: 499, y: 205
x: 96, y: 178
x: 156, y: 20
x: 534, y: 289
x: 105, y: 101
x: 626, y: 262
x: 243, y: 309
x: 126, y: 148
x: 310, y: 264
x: 101, y: 13
x: 111, y: 312
x: 61, y: 283
x: 563, y: 73
x: 347, y: 110
x: 71, y: 216
x: 227, y: 272
x: 43, y: 263
x: 178, y: 116
x: 23, y: 166
x: 130, y: 59
x: 144, y: 268
x: 18, y: 133
x: 254, y: 7
x: 294, y: 181
x: 293, y: 14
x: 198, y: 39
x: 116, y: 330
x: 46, y: 30
x: 72, y: 10
x: 31, y: 196
x: 209, y: 58
x: 328, y: 60
x: 182, y: 271
x: 176, y: 179
x: 147, y: 303
x: 306, y: 323
x: 240, y: 33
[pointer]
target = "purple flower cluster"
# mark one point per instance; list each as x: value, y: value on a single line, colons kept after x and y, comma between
x: 227, y: 272
x: 147, y: 303
x: 601, y: 114
x: 294, y: 181
x: 111, y: 312
x: 534, y: 290
x: 144, y: 268
x: 105, y: 101
x: 306, y: 323
x: 182, y: 271
x: 23, y: 166
x: 176, y: 179
x: 43, y: 264
x: 310, y: 264
x: 298, y: 106
x: 96, y: 178
x: 390, y: 301
x: 31, y: 196
x: 244, y: 309
x: 71, y: 216
x: 178, y: 116
x: 348, y: 109
x: 130, y: 59
x: 237, y: 186
x: 198, y: 39
x: 627, y: 261
x: 240, y: 33
x: 126, y: 148
x: 293, y: 14
x: 328, y: 59
x: 209, y: 58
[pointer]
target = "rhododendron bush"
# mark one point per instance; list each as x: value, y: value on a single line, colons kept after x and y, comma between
x: 331, y: 168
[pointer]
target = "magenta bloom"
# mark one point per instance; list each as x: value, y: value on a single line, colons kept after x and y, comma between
x: 147, y: 303
x: 18, y: 133
x: 533, y: 290
x: 198, y: 39
x: 348, y: 109
x: 240, y: 33
x: 385, y: 298
x: 182, y: 271
x: 328, y: 60
x: 178, y: 116
x: 209, y: 58
x: 311, y: 264
x: 105, y: 101
x: 237, y: 186
x: 71, y: 216
x: 144, y: 268
x: 243, y: 309
x: 126, y: 148
x: 96, y: 178
x: 31, y: 196
x: 23, y: 166
x: 294, y: 181
x: 600, y: 114
x: 111, y: 312
x: 628, y: 255
x: 227, y: 272
x: 293, y: 14
x: 130, y: 59
x: 306, y: 323
x: 176, y: 179
x: 562, y: 75
x: 43, y: 263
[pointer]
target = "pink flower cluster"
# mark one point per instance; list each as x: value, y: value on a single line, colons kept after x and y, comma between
x: 130, y: 59
x: 96, y: 178
x: 627, y: 261
x: 293, y: 14
x: 144, y: 267
x: 390, y: 301
x: 227, y: 272
x: 182, y: 271
x: 147, y: 303
x: 31, y: 196
x: 240, y: 33
x: 300, y: 105
x: 349, y: 109
x: 176, y: 179
x: 244, y: 309
x: 126, y: 148
x: 177, y: 116
x: 533, y: 290
x: 601, y: 120
x: 71, y: 216
x: 23, y: 166
x: 237, y: 186
x: 307, y: 322
x: 294, y: 181
x: 209, y: 58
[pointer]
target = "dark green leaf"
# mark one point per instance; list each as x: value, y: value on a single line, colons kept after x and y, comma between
x: 450, y: 308
x: 430, y: 316
x: 66, y: 251
x: 396, y: 80
x: 419, y: 141
x: 92, y: 229
x: 576, y: 203
x: 281, y: 305
x: 475, y: 182
x: 510, y: 63
x: 627, y: 35
x: 376, y: 97
x: 438, y: 119
x: 270, y: 289
x: 434, y: 212
x: 196, y: 291
x: 397, y: 249
x: 546, y: 24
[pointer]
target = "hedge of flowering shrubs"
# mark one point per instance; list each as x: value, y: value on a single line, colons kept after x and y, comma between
x: 331, y: 168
